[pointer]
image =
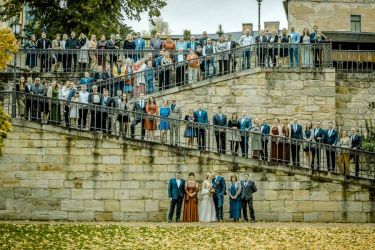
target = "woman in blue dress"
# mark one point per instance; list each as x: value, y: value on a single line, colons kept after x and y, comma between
x: 190, y: 131
x: 234, y: 191
x: 165, y: 111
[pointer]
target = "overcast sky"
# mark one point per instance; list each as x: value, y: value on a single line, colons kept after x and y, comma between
x: 199, y: 15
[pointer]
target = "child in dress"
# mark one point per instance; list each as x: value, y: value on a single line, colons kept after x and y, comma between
x: 149, y: 77
x: 74, y: 115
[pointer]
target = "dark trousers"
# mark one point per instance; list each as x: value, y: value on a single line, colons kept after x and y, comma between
x: 164, y: 79
x: 220, y: 142
x: 232, y: 63
x: 66, y: 116
x: 44, y: 62
x: 315, y: 152
x: 245, y: 204
x: 180, y: 75
x: 96, y: 121
x: 218, y: 209
x: 201, y: 138
x: 104, y: 119
x: 71, y: 60
x: 355, y: 156
x: 112, y: 60
x: 172, y: 207
x: 27, y: 109
x: 331, y: 160
x: 82, y: 120
x: 264, y: 152
x: 295, y: 154
x: 223, y: 67
x: 234, y: 145
x: 36, y: 109
x: 244, y: 146
x: 317, y: 57
x: 134, y: 123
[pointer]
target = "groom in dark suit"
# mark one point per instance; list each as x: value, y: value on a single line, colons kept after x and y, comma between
x: 140, y: 109
x: 218, y: 184
x: 248, y: 188
x: 176, y: 195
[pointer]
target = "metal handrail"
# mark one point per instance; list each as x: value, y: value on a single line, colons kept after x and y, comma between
x: 36, y: 105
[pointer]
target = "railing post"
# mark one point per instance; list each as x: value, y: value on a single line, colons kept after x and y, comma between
x: 14, y: 94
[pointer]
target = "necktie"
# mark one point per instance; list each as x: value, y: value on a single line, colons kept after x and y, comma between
x: 245, y: 184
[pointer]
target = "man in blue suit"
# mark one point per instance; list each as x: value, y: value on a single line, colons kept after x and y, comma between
x: 220, y: 133
x: 265, y: 130
x: 202, y: 118
x: 331, y: 138
x: 192, y: 44
x: 245, y: 126
x: 176, y: 188
x: 318, y: 136
x: 296, y: 133
x: 139, y: 46
x: 218, y: 184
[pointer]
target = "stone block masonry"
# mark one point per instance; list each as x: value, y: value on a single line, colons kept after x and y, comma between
x: 112, y: 185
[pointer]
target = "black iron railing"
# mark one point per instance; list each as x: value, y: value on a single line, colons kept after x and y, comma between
x: 117, y: 119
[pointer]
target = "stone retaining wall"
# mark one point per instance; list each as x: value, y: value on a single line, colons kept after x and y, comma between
x: 48, y: 173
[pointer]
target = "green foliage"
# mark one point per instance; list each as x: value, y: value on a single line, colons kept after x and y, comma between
x: 88, y: 16
x: 5, y: 127
x: 369, y: 141
x: 187, y: 35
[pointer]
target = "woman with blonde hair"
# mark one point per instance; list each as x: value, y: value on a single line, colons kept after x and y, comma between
x: 92, y: 46
x: 207, y: 211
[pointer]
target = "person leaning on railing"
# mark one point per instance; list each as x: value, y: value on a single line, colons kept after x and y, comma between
x: 344, y: 154
x: 356, y: 145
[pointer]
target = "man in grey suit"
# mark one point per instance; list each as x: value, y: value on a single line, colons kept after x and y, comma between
x: 175, y: 125
x: 140, y: 109
x: 248, y: 188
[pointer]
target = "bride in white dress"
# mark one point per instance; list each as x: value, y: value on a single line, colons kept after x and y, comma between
x: 207, y: 207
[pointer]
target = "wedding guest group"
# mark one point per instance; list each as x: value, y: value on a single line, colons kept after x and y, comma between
x: 80, y: 105
x: 214, y: 190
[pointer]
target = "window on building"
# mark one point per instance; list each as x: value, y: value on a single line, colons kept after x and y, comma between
x: 355, y: 23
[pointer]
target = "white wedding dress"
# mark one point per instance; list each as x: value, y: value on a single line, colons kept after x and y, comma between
x: 207, y: 207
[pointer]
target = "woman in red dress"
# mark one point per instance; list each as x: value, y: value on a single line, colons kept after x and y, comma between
x: 191, y: 200
x: 150, y: 122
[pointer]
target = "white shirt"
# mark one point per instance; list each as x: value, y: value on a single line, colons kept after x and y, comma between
x: 180, y: 57
x: 96, y: 98
x: 246, y: 40
x: 84, y: 97
x: 178, y: 182
x: 64, y: 94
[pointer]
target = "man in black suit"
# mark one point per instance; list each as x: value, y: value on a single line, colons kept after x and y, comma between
x: 356, y: 145
x: 265, y: 130
x: 262, y: 50
x: 296, y: 133
x: 43, y: 44
x: 330, y: 138
x: 318, y: 135
x: 220, y: 133
x: 176, y: 192
x: 140, y: 108
x: 248, y: 188
x: 111, y: 45
x: 37, y: 104
x: 72, y: 44
x: 105, y: 103
x: 232, y: 55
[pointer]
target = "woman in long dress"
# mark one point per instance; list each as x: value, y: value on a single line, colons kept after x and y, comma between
x: 191, y: 200
x: 190, y: 131
x: 150, y: 122
x: 92, y: 47
x: 234, y: 134
x: 284, y: 144
x: 123, y: 117
x: 207, y: 211
x: 235, y: 203
x: 83, y: 56
x: 306, y: 49
x: 55, y: 104
x: 256, y: 140
x: 165, y: 111
x: 140, y: 80
x: 276, y: 130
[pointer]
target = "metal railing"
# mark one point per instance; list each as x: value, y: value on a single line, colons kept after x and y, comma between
x: 219, y: 64
x: 354, y: 61
x: 137, y: 124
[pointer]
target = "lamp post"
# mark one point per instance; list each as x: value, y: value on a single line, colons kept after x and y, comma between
x: 259, y: 3
x: 16, y: 28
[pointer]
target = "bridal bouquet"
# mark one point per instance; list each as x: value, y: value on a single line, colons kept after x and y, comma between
x: 212, y: 190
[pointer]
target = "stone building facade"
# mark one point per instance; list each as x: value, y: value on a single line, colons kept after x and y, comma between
x: 330, y: 15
